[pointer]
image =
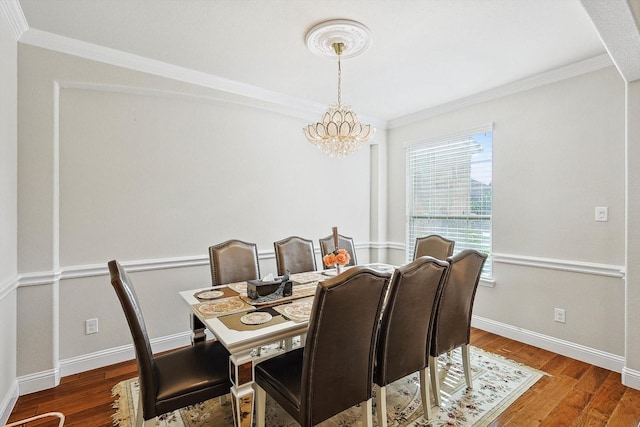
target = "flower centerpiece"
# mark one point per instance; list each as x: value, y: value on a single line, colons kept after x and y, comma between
x: 339, y: 257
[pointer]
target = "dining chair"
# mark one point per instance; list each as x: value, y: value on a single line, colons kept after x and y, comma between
x: 405, y: 330
x: 452, y: 323
x: 344, y: 242
x: 433, y: 245
x: 334, y: 370
x: 294, y: 255
x: 233, y: 261
x: 174, y: 379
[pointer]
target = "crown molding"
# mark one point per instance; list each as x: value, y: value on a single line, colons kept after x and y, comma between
x: 275, y: 101
x: 619, y: 33
x: 15, y: 17
x: 253, y: 96
x: 552, y: 76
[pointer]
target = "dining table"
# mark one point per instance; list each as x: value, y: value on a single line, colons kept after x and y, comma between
x: 245, y: 325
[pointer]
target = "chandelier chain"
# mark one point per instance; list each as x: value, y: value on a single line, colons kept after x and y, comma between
x: 339, y: 82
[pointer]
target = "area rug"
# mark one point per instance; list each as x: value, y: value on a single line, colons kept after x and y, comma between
x: 497, y: 383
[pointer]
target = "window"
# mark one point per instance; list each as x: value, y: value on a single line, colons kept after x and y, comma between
x: 449, y: 191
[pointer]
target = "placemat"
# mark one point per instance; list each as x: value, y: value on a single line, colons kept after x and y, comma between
x: 298, y: 311
x: 239, y: 287
x: 232, y: 321
x: 307, y: 277
x: 227, y: 292
x: 222, y: 306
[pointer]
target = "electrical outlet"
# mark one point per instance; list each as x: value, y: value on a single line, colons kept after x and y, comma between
x: 602, y: 214
x: 91, y: 326
x: 559, y: 315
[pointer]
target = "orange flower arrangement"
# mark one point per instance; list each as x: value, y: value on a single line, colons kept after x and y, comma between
x: 339, y: 256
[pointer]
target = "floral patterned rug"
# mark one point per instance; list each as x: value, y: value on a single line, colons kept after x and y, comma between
x: 497, y: 382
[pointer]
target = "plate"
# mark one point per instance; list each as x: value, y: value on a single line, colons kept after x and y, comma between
x: 209, y: 294
x: 256, y: 318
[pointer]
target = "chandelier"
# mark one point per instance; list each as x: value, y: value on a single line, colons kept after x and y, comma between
x: 339, y: 132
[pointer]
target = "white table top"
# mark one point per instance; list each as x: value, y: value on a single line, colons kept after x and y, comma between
x: 239, y: 341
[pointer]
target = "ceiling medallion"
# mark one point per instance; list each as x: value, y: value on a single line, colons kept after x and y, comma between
x: 339, y: 132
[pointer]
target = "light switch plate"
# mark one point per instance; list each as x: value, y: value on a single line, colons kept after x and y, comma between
x: 602, y: 213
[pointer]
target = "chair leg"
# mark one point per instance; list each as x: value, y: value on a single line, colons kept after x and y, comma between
x: 466, y: 363
x: 381, y: 405
x: 426, y: 399
x: 367, y: 413
x: 261, y: 405
x: 435, y: 380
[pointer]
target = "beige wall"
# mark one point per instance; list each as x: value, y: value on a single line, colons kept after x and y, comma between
x: 120, y: 164
x: 116, y: 164
x: 8, y: 216
x: 558, y: 152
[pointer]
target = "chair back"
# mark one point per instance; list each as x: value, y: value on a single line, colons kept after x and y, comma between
x: 344, y: 242
x: 452, y: 323
x: 295, y: 255
x: 435, y: 246
x: 405, y: 329
x: 233, y: 261
x: 337, y: 370
x: 144, y: 356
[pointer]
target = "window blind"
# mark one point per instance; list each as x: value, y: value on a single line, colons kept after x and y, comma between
x: 449, y: 191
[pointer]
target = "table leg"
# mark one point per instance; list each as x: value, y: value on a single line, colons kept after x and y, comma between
x: 242, y: 392
x: 198, y: 330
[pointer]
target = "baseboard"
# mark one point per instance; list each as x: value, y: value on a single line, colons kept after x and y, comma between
x: 631, y: 378
x: 38, y: 381
x: 8, y: 402
x: 99, y: 359
x: 589, y: 355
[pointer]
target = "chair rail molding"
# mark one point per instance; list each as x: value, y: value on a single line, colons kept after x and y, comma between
x: 93, y: 270
x: 608, y: 270
x: 9, y: 286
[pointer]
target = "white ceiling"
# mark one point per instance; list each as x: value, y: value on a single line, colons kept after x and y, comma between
x: 424, y: 53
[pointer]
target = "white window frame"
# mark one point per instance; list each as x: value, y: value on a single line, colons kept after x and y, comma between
x: 445, y: 140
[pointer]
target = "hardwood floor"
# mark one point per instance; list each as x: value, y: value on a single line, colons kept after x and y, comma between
x: 574, y: 394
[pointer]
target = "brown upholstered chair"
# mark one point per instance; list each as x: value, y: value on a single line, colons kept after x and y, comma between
x: 294, y: 255
x: 452, y: 324
x: 344, y: 242
x: 405, y: 330
x: 233, y: 261
x: 434, y: 246
x: 334, y: 371
x: 175, y: 379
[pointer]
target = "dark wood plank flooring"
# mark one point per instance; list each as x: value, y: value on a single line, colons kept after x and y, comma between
x: 575, y: 393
